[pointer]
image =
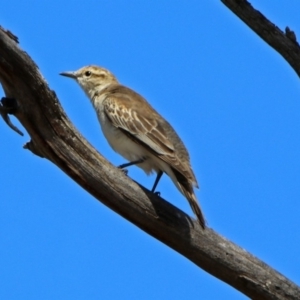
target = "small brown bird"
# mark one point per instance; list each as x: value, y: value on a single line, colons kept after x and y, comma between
x: 137, y: 132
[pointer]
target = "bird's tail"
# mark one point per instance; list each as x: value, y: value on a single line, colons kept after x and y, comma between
x: 185, y: 186
x: 190, y: 195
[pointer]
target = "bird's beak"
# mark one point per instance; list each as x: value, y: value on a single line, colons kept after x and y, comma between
x: 68, y: 74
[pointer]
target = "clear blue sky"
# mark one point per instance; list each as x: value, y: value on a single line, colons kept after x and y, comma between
x: 234, y: 101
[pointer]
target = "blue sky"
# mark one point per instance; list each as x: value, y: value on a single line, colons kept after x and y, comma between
x: 233, y: 100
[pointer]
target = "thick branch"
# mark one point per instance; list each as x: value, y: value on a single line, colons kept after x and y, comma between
x: 284, y: 43
x: 55, y: 138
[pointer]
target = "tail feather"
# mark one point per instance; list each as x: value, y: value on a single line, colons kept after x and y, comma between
x: 195, y: 206
x: 186, y: 188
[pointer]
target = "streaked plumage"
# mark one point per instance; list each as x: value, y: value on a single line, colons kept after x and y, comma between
x: 136, y: 131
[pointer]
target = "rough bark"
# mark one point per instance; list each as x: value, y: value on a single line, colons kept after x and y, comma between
x: 285, y: 43
x: 54, y: 137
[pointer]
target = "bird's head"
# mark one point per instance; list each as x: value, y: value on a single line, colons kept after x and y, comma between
x: 92, y: 78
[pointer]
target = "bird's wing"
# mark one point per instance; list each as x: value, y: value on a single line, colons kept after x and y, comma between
x: 139, y: 122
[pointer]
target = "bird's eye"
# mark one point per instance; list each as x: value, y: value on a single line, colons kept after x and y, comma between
x: 88, y: 73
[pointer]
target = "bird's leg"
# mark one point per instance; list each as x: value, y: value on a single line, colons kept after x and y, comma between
x: 9, y: 106
x: 159, y: 174
x: 130, y: 164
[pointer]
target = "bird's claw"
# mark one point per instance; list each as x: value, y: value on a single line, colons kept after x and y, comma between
x: 157, y: 194
x: 125, y: 171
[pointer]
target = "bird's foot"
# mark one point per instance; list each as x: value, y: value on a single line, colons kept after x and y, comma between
x: 157, y: 194
x: 125, y: 171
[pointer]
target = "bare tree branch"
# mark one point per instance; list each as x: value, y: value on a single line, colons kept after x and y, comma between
x: 284, y: 43
x: 54, y: 137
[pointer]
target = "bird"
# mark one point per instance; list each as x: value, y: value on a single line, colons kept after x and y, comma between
x: 136, y: 131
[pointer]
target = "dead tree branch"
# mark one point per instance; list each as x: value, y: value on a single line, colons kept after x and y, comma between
x: 285, y: 43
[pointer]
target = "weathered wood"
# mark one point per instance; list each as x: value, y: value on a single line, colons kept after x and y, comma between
x: 54, y: 137
x: 285, y: 43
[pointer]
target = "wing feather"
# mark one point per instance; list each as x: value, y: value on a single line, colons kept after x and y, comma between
x: 138, y: 120
x: 139, y: 124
